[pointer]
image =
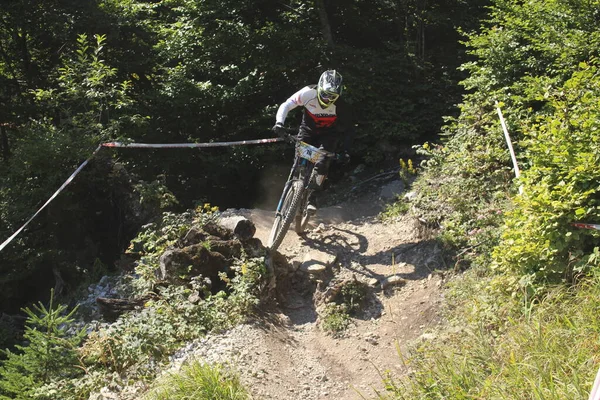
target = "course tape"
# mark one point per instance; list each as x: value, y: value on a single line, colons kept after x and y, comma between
x: 586, y: 226
x: 60, y: 189
x: 140, y: 146
x: 190, y: 145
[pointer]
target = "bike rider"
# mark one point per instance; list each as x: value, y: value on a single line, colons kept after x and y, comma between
x: 326, y: 121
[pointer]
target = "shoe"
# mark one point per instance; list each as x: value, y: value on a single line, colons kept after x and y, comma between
x: 311, y: 209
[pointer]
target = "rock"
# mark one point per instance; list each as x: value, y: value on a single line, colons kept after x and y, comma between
x: 253, y: 247
x: 392, y: 190
x: 410, y: 196
x: 242, y: 227
x: 393, y: 280
x: 179, y: 265
x: 218, y: 231
x: 230, y: 249
x: 373, y: 282
x: 193, y: 236
x: 315, y: 262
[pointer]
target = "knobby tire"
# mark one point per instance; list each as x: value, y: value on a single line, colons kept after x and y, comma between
x: 282, y: 223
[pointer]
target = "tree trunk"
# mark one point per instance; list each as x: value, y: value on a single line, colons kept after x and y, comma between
x: 325, y: 26
x: 20, y: 38
x: 421, y: 10
x: 4, y: 144
x: 242, y: 228
x: 402, y: 22
x: 111, y: 309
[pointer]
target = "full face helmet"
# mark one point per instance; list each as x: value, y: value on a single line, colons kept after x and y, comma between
x: 329, y: 88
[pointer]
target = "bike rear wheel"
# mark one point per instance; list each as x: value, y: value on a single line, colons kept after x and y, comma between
x: 283, y: 219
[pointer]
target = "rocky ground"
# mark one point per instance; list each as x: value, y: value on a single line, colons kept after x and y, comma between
x: 285, y: 353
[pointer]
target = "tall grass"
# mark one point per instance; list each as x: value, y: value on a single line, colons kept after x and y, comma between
x: 550, y: 352
x: 198, y: 381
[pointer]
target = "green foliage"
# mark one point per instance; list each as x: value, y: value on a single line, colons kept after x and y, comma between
x: 464, y: 189
x: 407, y: 170
x: 137, y: 340
x: 71, y: 118
x: 88, y: 93
x: 515, y: 334
x: 174, y: 314
x: 559, y: 187
x: 335, y: 318
x: 394, y: 210
x: 353, y: 295
x: 50, y: 354
x: 196, y: 380
x: 154, y: 238
x: 548, y: 353
x: 155, y: 195
x: 347, y: 302
x: 467, y: 183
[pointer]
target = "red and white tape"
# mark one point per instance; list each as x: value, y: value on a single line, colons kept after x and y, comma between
x: 138, y: 146
x: 189, y: 145
x: 586, y: 226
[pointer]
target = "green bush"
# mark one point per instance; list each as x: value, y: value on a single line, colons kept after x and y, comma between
x: 198, y: 381
x: 559, y: 187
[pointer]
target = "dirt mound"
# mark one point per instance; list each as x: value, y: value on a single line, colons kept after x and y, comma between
x: 286, y: 354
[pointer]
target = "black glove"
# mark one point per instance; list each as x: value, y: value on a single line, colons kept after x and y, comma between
x: 279, y: 130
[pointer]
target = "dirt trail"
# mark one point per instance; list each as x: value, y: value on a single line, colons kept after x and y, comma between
x: 288, y: 356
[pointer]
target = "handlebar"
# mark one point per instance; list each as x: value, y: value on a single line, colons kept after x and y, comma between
x: 290, y: 136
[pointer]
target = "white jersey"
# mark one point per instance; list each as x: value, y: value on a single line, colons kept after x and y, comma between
x: 316, y: 119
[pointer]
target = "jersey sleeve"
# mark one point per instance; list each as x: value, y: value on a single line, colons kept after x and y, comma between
x: 297, y: 99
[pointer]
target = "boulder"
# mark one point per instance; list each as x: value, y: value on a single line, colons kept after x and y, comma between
x: 179, y: 265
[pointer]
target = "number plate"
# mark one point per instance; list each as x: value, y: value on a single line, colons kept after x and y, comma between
x: 311, y: 153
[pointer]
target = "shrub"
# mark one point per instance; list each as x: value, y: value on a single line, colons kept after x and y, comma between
x: 198, y: 381
x: 560, y: 186
x: 50, y: 353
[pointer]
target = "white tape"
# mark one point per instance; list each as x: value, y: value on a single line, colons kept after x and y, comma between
x: 60, y: 189
x: 189, y: 145
x: 134, y: 145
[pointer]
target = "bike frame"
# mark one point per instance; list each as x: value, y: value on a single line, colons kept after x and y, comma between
x: 301, y: 169
x: 292, y: 205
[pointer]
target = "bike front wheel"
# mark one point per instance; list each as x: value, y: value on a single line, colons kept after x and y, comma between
x: 283, y: 219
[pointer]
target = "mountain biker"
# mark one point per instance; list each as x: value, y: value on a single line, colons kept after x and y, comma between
x: 326, y: 121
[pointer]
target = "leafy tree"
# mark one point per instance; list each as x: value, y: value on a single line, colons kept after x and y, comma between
x: 81, y: 112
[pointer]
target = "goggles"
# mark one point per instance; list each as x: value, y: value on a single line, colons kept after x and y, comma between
x: 328, y: 98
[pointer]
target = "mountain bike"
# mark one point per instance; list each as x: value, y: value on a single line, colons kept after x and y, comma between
x: 301, y: 182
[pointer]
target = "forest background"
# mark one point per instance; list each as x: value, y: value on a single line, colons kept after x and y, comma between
x: 75, y: 74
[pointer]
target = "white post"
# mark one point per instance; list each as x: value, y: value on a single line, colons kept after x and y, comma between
x: 595, y: 393
x: 509, y: 143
